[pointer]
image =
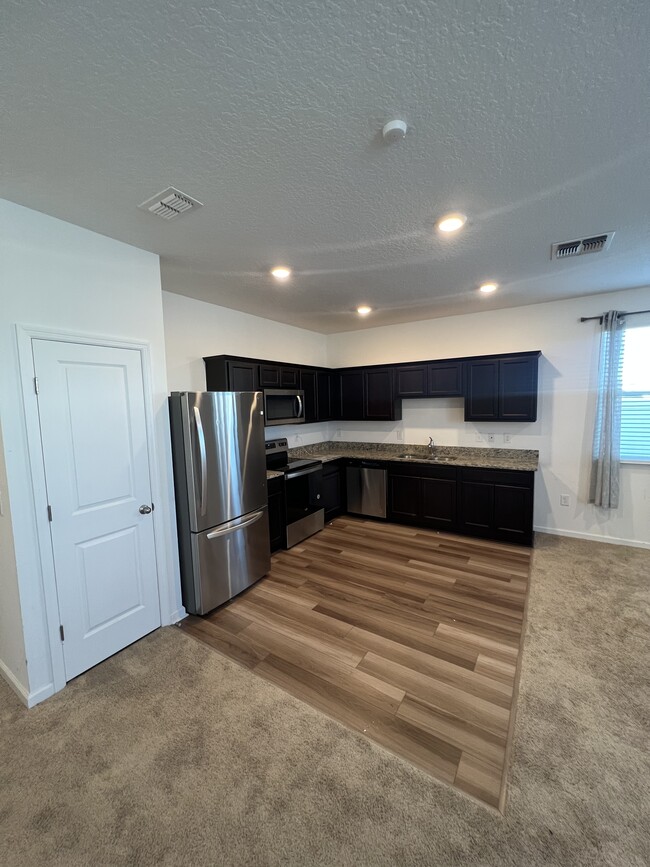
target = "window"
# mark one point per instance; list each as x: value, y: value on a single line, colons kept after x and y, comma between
x: 635, y: 408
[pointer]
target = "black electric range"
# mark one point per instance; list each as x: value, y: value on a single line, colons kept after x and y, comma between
x: 303, y: 488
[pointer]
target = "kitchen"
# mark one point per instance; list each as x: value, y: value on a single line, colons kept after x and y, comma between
x: 339, y: 174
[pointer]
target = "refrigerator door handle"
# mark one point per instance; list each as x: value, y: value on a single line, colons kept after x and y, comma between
x: 202, y: 460
x: 231, y: 528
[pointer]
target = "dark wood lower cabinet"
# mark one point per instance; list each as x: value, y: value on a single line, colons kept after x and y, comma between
x: 277, y: 517
x: 421, y: 495
x: 491, y: 504
x: 334, y: 489
x: 497, y: 504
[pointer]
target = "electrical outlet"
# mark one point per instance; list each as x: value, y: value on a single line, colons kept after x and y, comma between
x: 565, y: 500
x: 339, y: 433
x: 479, y: 438
x: 490, y: 438
x: 507, y: 438
x: 399, y: 433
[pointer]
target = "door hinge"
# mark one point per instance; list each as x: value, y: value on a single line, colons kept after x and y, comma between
x: 36, y: 385
x: 49, y: 513
x: 61, y: 632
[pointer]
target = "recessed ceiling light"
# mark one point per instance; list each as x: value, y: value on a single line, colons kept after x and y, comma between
x: 451, y: 222
x: 281, y: 273
x: 364, y: 310
x: 487, y: 288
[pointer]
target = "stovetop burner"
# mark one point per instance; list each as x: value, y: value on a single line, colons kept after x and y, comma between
x: 277, y: 458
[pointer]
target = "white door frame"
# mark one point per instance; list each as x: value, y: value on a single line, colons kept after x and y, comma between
x: 166, y: 579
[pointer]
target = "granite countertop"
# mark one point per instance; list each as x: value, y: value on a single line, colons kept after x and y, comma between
x: 273, y: 474
x: 485, y: 458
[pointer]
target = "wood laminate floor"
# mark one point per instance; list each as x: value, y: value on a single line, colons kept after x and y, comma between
x: 409, y: 636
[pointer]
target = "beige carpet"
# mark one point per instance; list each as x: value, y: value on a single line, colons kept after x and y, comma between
x: 170, y: 754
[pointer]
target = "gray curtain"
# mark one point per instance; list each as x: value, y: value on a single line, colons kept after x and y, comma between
x: 604, y: 490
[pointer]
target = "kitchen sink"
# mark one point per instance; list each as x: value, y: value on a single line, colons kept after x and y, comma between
x: 438, y: 459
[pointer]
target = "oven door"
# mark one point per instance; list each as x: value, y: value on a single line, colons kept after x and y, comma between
x: 303, y: 491
x: 283, y: 407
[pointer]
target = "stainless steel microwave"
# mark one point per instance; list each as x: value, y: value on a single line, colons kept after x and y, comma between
x: 283, y: 406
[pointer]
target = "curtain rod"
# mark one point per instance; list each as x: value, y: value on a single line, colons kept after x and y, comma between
x: 600, y: 318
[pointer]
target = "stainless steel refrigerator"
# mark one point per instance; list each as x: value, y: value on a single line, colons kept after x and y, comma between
x: 221, y: 499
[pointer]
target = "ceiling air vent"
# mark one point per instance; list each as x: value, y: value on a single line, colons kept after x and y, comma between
x: 170, y: 203
x: 594, y: 244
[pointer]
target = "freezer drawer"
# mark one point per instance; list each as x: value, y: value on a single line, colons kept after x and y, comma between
x: 366, y: 490
x: 226, y: 560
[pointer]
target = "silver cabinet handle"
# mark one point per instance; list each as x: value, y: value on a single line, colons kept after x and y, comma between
x: 203, y: 469
x: 230, y: 528
x: 300, y: 409
x: 145, y: 510
x: 299, y: 473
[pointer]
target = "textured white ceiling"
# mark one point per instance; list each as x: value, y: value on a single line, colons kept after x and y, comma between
x: 531, y: 117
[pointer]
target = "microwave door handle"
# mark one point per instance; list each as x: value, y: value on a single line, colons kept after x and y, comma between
x: 231, y: 528
x: 299, y: 473
x: 300, y: 407
x: 203, y: 469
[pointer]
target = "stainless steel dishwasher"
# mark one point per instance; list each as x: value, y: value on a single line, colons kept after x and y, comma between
x: 366, y: 488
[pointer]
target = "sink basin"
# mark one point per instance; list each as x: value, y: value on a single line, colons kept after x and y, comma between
x: 438, y: 459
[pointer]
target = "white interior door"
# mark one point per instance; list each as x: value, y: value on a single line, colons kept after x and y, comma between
x: 94, y: 438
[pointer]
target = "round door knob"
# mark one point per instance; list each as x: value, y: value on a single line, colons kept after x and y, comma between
x: 144, y: 510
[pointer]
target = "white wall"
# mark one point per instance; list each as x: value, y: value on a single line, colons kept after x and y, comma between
x: 58, y: 276
x: 568, y: 373
x: 194, y: 330
x: 12, y: 653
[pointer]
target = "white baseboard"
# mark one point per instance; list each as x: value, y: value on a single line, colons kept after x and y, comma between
x: 40, y: 695
x: 21, y: 691
x: 593, y: 537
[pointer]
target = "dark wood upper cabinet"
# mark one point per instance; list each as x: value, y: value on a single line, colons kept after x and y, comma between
x: 411, y: 381
x: 518, y: 388
x: 309, y: 384
x: 445, y: 379
x: 379, y: 401
x: 325, y: 397
x: 279, y: 376
x: 289, y: 377
x: 269, y: 376
x: 223, y: 374
x: 351, y: 394
x: 502, y: 388
x: 482, y: 393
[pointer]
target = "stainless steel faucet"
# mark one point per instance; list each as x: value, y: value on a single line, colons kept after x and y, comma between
x: 431, y: 445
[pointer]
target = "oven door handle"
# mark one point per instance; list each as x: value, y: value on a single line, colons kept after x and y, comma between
x: 299, y: 473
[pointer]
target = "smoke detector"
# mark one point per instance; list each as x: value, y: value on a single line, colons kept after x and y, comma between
x: 170, y: 203
x: 593, y: 244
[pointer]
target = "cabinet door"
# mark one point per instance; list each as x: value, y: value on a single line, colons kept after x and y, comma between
x: 289, y: 377
x: 445, y: 379
x: 404, y: 498
x: 269, y: 376
x: 513, y: 513
x: 324, y: 395
x: 518, y: 389
x: 439, y: 503
x: 308, y: 383
x: 277, y: 521
x: 476, y: 507
x: 411, y: 381
x: 351, y: 394
x: 482, y: 393
x: 332, y: 491
x: 243, y: 376
x: 378, y: 394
